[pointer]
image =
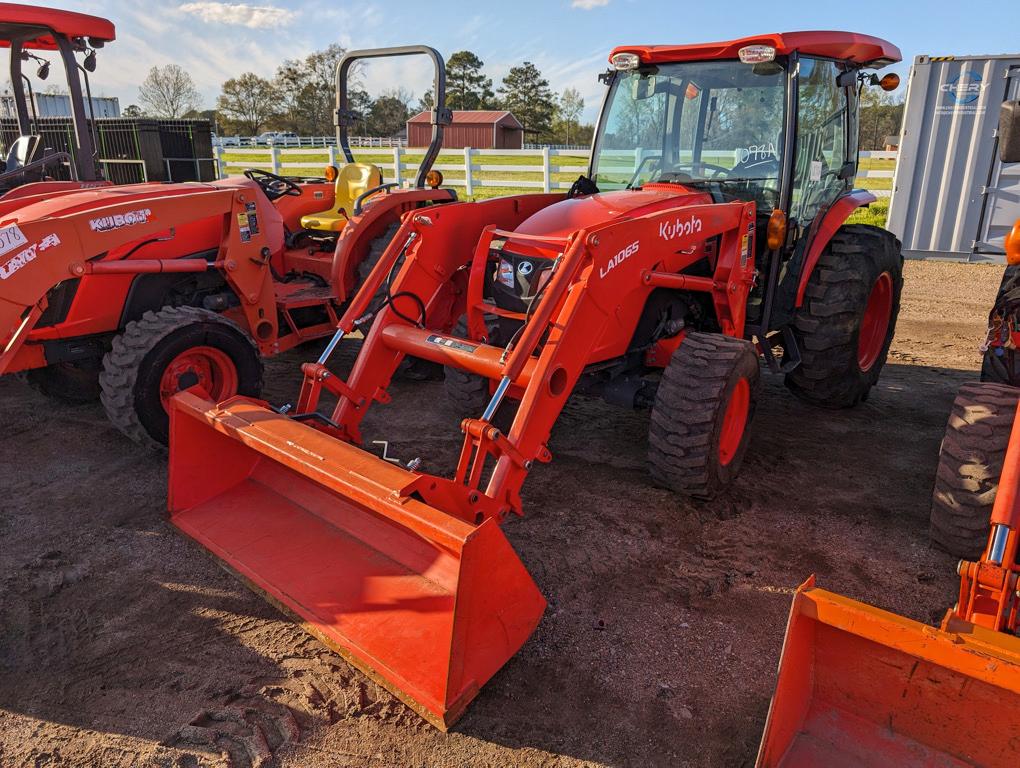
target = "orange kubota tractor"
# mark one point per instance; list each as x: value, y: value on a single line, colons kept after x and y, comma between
x: 27, y: 28
x: 859, y: 686
x: 148, y: 296
x: 647, y: 284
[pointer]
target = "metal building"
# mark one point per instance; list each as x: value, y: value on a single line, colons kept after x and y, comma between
x: 59, y: 105
x: 952, y: 198
x: 479, y: 129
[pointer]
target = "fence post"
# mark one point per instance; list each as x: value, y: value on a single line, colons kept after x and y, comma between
x: 275, y: 152
x: 221, y: 166
x: 332, y: 156
x: 469, y: 187
x: 546, y: 171
x: 397, y: 175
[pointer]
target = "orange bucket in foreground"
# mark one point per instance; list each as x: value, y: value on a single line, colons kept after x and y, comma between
x: 859, y: 686
x: 426, y: 604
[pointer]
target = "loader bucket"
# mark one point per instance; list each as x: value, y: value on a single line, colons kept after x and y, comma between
x: 424, y: 603
x: 859, y: 686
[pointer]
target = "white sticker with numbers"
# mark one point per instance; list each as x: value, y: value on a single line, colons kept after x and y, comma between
x: 11, y: 237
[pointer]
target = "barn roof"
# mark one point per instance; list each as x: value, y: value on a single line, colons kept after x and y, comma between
x: 475, y: 117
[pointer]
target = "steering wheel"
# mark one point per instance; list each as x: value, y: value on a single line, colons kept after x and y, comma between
x: 274, y: 186
x: 718, y: 171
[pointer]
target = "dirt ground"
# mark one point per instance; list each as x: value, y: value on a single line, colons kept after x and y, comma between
x: 122, y: 643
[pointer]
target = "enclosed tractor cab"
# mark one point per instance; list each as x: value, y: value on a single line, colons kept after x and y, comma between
x: 709, y: 232
x: 133, y: 293
x: 28, y: 28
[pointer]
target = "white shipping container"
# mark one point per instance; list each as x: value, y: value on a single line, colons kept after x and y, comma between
x: 952, y: 198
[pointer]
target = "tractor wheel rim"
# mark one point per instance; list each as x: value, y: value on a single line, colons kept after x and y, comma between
x: 875, y: 323
x: 734, y: 421
x: 208, y: 367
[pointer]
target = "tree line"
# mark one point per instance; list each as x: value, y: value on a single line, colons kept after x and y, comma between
x: 300, y: 98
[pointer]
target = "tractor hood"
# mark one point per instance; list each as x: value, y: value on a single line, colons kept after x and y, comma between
x: 562, y: 218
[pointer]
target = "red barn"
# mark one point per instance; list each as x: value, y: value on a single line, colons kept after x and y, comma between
x: 476, y: 128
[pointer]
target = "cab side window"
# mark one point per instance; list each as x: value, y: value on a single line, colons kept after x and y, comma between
x: 822, y: 126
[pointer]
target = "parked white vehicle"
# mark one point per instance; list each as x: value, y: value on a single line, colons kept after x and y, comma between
x: 275, y: 138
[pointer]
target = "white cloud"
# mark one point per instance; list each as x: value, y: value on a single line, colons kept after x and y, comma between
x: 587, y: 5
x: 239, y: 14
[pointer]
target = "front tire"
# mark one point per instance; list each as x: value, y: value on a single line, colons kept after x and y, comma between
x: 970, y: 464
x: 704, y: 405
x: 848, y: 318
x: 168, y: 351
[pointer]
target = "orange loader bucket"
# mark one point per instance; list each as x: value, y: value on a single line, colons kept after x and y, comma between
x: 424, y: 603
x: 859, y: 686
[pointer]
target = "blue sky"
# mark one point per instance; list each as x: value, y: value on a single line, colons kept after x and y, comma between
x: 567, y: 39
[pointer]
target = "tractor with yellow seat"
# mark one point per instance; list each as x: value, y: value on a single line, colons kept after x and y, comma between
x: 132, y: 293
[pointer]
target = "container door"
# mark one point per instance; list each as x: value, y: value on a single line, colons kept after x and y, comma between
x: 1002, y: 205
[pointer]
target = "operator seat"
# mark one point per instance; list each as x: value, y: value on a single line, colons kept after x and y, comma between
x: 353, y: 180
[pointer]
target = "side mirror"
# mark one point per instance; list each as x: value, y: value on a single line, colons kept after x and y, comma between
x: 1009, y: 132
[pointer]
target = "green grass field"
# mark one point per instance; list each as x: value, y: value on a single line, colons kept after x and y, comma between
x: 569, y: 168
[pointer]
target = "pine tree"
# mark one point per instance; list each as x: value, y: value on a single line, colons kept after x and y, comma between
x: 466, y: 86
x: 526, y: 94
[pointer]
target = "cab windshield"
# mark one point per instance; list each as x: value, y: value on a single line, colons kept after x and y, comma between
x: 713, y: 123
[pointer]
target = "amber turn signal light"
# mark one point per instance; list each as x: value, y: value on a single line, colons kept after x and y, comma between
x: 889, y: 82
x: 433, y: 179
x: 331, y: 172
x: 1013, y: 244
x: 775, y: 233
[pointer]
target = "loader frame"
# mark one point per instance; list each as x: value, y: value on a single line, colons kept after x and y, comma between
x: 578, y: 303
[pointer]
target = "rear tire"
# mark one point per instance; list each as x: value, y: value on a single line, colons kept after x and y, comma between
x: 72, y: 383
x: 704, y: 405
x: 970, y: 463
x: 848, y: 318
x: 168, y: 351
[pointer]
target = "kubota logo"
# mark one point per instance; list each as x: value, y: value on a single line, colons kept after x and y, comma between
x: 118, y: 220
x: 619, y: 258
x: 668, y: 230
x: 19, y: 260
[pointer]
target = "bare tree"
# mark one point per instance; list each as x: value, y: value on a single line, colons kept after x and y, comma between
x: 571, y: 106
x: 168, y: 91
x: 247, y: 103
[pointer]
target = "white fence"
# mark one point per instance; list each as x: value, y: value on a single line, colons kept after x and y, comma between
x: 305, y: 141
x: 471, y: 169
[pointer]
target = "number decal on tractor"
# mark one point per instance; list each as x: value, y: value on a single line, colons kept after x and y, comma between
x: 10, y: 238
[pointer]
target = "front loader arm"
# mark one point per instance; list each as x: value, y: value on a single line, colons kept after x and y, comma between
x: 44, y: 244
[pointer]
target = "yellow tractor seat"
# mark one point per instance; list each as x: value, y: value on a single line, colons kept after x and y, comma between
x: 353, y: 180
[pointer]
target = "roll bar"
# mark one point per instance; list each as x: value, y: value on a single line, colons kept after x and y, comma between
x: 440, y: 115
x: 83, y: 164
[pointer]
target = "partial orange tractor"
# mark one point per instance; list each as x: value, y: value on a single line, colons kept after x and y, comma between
x: 859, y: 686
x: 133, y: 293
x: 709, y: 234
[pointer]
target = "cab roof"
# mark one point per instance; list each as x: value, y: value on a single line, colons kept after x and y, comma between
x: 36, y: 26
x: 863, y: 50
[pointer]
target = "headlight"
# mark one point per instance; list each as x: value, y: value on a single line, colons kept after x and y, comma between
x: 756, y: 54
x: 625, y: 61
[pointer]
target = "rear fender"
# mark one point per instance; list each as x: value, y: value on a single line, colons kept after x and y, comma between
x: 354, y: 243
x: 834, y: 218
